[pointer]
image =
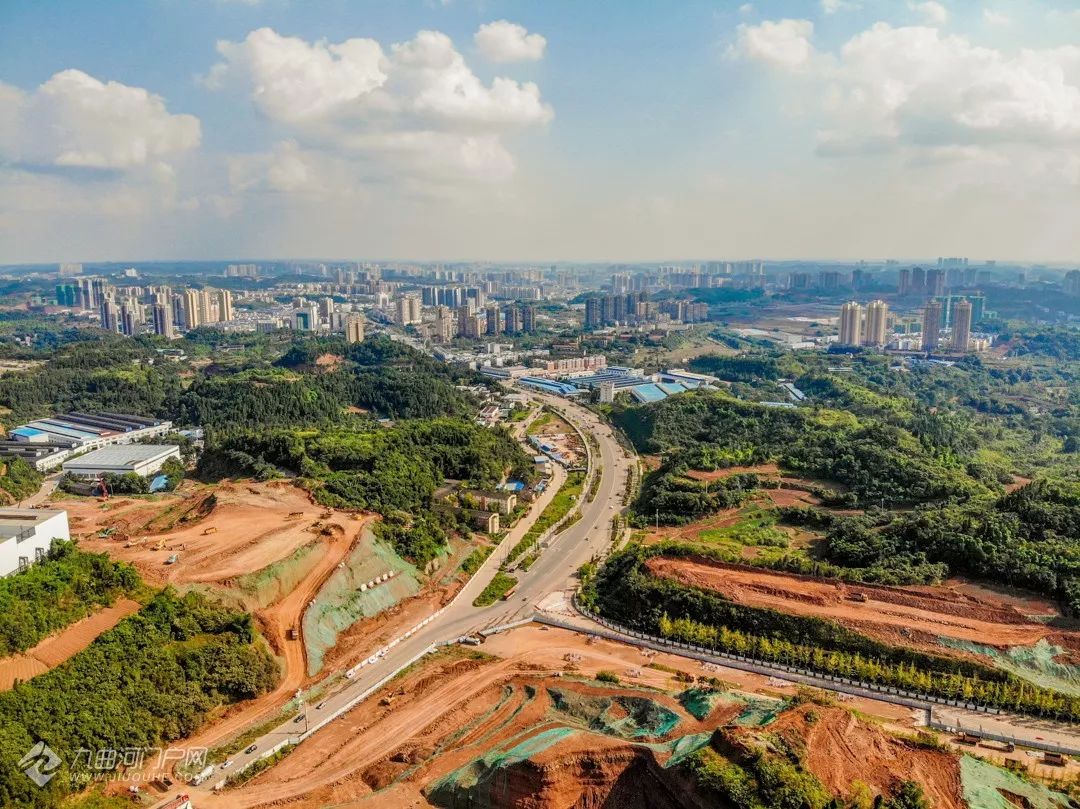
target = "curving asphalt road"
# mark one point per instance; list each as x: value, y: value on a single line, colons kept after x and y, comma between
x: 554, y: 571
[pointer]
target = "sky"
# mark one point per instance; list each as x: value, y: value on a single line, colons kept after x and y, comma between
x: 550, y: 130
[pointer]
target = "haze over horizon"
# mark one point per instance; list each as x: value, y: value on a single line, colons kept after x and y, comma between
x: 551, y: 131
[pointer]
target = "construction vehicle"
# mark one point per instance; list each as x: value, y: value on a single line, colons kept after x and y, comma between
x: 860, y: 597
x: 293, y: 633
x: 1054, y: 759
x: 172, y: 560
x: 967, y: 738
x: 211, y: 530
x: 295, y: 515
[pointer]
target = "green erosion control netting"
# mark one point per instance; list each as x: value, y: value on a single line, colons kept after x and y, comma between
x: 983, y: 785
x: 340, y: 603
x: 1036, y: 664
x: 484, y: 782
x: 275, y: 581
x: 622, y: 716
x: 756, y: 711
x: 486, y: 775
x: 682, y: 747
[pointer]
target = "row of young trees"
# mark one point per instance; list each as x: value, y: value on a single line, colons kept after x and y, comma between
x: 1014, y: 695
x: 624, y: 590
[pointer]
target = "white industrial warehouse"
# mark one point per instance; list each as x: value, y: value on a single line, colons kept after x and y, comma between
x: 142, y: 459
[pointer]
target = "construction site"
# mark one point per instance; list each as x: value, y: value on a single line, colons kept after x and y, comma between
x: 323, y: 590
x: 544, y: 718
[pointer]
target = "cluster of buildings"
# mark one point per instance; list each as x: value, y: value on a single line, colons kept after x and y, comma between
x: 134, y: 310
x: 634, y: 308
x: 48, y: 443
x: 484, y: 509
x: 944, y: 323
x: 609, y: 381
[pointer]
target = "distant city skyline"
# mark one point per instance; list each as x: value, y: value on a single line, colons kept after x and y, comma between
x: 545, y: 131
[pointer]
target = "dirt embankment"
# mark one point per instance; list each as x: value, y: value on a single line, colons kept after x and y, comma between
x: 843, y: 750
x: 915, y: 616
x: 57, y: 648
x: 521, y: 733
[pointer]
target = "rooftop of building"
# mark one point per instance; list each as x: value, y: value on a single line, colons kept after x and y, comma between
x: 16, y: 521
x: 122, y: 454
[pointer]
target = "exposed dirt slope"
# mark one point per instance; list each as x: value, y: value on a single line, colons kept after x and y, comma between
x: 915, y: 616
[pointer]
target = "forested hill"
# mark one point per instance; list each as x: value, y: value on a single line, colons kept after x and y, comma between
x: 876, y: 461
x: 238, y: 390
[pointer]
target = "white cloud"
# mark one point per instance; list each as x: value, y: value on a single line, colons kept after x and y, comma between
x: 74, y: 120
x: 835, y: 6
x: 995, y: 17
x: 503, y: 41
x: 294, y: 80
x: 784, y: 43
x: 916, y: 87
x: 357, y: 114
x: 746, y: 9
x: 933, y: 12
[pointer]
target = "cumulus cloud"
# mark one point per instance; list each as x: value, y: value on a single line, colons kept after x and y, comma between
x: 933, y: 13
x: 356, y: 110
x: 835, y: 6
x: 74, y: 120
x: 294, y: 80
x: 995, y: 17
x: 503, y: 41
x: 915, y: 86
x: 783, y: 43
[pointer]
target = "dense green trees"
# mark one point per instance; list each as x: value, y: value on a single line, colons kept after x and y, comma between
x: 876, y: 461
x: 150, y: 680
x: 674, y: 499
x: 66, y: 586
x: 1029, y: 538
x: 384, y: 469
x: 107, y: 373
x: 20, y: 479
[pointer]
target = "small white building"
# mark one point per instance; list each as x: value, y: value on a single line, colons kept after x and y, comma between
x: 142, y: 459
x: 26, y: 534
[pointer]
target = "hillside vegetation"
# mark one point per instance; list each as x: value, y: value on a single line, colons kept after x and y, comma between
x: 150, y: 680
x: 64, y: 587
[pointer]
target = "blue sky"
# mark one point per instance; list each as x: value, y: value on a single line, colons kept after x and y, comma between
x: 539, y: 131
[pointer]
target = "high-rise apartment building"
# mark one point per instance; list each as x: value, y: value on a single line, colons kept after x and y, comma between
x: 354, y: 328
x: 162, y: 314
x: 1072, y: 282
x: 931, y: 325
x: 935, y: 282
x: 446, y: 325
x: 877, y: 324
x: 224, y: 305
x: 191, y: 306
x: 903, y: 286
x: 110, y: 315
x: 408, y: 310
x: 851, y: 324
x: 961, y: 325
x: 528, y: 318
x: 494, y: 325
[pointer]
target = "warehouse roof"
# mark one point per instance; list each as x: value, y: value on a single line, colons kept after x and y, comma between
x: 122, y: 454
